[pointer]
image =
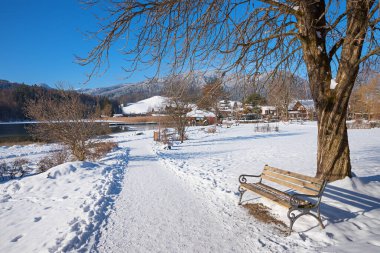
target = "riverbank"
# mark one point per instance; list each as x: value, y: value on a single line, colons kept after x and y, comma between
x: 138, y: 119
x: 16, y: 133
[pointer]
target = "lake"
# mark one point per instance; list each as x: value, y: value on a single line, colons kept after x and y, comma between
x: 16, y: 131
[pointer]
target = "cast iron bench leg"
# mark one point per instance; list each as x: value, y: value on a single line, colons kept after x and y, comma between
x: 241, y: 191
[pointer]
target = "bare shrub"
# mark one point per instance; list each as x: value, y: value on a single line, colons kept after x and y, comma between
x: 100, y: 149
x: 45, y: 164
x: 167, y: 137
x: 53, y: 160
x: 60, y: 157
x: 3, y: 170
x: 20, y: 167
x: 66, y: 119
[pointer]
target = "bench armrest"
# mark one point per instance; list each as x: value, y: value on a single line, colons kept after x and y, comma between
x: 243, y: 179
x: 294, y: 199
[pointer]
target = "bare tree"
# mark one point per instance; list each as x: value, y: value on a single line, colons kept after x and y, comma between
x: 282, y: 90
x: 323, y: 38
x: 66, y: 119
x: 212, y: 93
x: 366, y: 99
x: 178, y: 91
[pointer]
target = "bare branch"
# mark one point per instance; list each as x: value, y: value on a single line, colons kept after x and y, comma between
x: 283, y: 7
x: 375, y: 51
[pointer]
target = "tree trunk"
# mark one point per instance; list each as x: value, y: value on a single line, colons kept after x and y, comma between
x: 333, y: 155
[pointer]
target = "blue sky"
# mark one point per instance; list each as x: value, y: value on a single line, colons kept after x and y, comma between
x: 39, y: 40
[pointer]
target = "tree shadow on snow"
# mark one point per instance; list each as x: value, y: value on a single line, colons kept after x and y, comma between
x: 243, y: 138
x: 359, y: 201
x: 143, y: 158
x: 197, y: 155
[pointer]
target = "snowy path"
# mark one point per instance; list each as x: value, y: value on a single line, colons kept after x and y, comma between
x: 166, y: 208
x: 158, y: 211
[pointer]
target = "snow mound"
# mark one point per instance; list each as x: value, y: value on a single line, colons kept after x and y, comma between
x: 62, y: 209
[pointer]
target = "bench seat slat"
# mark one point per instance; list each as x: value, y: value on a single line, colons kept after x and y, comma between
x: 292, y: 180
x: 290, y: 185
x: 294, y: 174
x: 275, y: 198
x: 270, y: 193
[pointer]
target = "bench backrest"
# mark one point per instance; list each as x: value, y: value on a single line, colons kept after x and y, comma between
x: 295, y: 181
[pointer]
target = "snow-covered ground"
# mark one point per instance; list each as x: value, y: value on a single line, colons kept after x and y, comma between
x: 143, y: 198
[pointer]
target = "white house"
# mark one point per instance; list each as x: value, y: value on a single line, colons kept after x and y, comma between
x: 268, y: 110
x: 228, y: 107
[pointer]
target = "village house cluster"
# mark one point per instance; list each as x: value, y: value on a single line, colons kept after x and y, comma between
x: 226, y: 110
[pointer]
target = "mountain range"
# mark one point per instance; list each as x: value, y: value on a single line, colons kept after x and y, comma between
x: 237, y: 86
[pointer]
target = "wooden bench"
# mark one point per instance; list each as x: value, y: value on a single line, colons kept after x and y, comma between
x: 307, y: 197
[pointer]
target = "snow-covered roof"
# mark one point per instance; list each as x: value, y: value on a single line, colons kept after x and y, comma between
x: 145, y: 106
x: 200, y: 114
x: 307, y: 103
x: 268, y: 107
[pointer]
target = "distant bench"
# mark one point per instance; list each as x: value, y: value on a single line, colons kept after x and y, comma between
x: 309, y: 198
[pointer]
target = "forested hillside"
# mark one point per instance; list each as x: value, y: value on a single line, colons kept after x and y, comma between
x: 13, y: 98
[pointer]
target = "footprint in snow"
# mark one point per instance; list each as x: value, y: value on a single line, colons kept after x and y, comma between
x: 16, y: 238
x: 37, y: 219
x: 86, y: 209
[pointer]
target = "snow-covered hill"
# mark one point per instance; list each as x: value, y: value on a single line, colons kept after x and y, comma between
x: 153, y: 104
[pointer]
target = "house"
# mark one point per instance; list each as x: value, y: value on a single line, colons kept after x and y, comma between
x: 302, y: 109
x: 268, y: 110
x: 229, y: 108
x: 201, y: 117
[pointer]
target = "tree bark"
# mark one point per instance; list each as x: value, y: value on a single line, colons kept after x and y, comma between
x: 333, y: 155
